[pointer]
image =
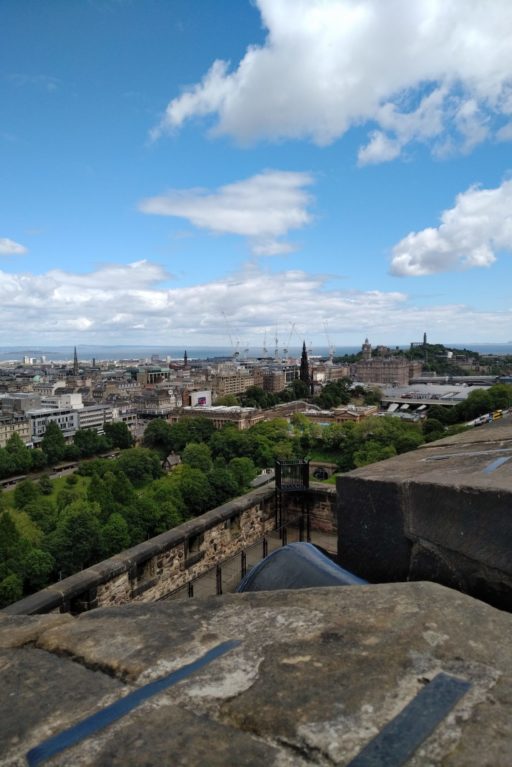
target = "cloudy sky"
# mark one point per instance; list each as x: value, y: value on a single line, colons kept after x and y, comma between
x: 179, y: 172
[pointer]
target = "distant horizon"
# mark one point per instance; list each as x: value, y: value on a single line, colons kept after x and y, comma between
x: 64, y: 352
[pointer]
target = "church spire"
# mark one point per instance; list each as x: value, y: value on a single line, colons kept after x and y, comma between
x: 304, y: 365
x: 75, y: 363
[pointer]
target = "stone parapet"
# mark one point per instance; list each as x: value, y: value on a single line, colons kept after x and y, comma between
x: 155, y: 568
x: 439, y: 513
x: 314, y: 677
x: 321, y: 500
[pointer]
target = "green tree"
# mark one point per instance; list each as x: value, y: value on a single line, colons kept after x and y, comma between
x: 283, y: 449
x: 244, y: 471
x: 372, y: 396
x: 119, y: 435
x: 408, y: 441
x: 338, y: 436
x: 53, y: 443
x: 38, y: 459
x: 89, y: 442
x: 11, y: 589
x: 100, y: 492
x: 115, y: 535
x: 71, y: 453
x: 199, y: 429
x: 43, y: 513
x: 198, y: 456
x: 333, y: 394
x: 37, y: 567
x: 76, y: 541
x: 45, y: 485
x: 159, y: 436
x: 432, y: 425
x: 6, y: 464
x: 25, y: 492
x: 139, y: 464
x: 501, y: 396
x: 21, y: 455
x: 371, y: 452
x: 11, y: 545
x: 97, y: 466
x: 299, y: 389
x: 478, y: 402
x: 444, y: 415
x: 121, y: 488
x: 229, y: 400
x: 223, y: 485
x: 255, y: 396
x: 66, y: 497
x: 229, y: 443
x: 194, y: 488
x: 28, y: 529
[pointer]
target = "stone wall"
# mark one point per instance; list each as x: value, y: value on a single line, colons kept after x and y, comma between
x: 153, y: 569
x: 322, y: 508
x: 311, y: 678
x: 156, y: 567
x: 440, y: 513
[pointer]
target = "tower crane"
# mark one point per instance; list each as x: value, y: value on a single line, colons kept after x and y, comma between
x: 330, y: 347
x: 285, y: 350
x: 234, y: 347
x: 264, y: 349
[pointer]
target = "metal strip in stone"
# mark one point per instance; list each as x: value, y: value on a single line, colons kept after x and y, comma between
x: 465, y: 454
x: 399, y: 739
x: 496, y: 464
x: 121, y: 707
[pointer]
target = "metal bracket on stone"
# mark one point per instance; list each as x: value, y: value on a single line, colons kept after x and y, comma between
x: 398, y: 740
x: 121, y: 707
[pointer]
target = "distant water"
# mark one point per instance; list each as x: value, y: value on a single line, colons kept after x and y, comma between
x: 143, y: 352
x: 485, y: 348
x: 176, y: 352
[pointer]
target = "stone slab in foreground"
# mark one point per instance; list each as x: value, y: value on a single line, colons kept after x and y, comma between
x: 318, y: 674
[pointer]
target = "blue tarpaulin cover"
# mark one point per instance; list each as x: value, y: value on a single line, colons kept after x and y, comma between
x: 296, y: 566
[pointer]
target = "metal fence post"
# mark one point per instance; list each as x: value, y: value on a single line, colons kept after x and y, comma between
x: 218, y: 578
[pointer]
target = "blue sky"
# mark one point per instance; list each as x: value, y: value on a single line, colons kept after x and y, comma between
x: 174, y: 172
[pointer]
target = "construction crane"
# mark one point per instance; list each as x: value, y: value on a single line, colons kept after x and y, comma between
x: 330, y: 347
x: 276, y: 348
x: 285, y: 350
x: 264, y: 349
x: 234, y: 347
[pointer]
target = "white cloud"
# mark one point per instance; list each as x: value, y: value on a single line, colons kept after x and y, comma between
x: 470, y: 234
x: 60, y: 307
x: 10, y: 248
x: 505, y: 133
x: 262, y: 208
x: 44, y: 82
x: 380, y: 148
x: 327, y: 65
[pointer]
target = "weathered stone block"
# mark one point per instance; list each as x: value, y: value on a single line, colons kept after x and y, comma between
x: 318, y: 673
x: 371, y: 538
x: 442, y: 512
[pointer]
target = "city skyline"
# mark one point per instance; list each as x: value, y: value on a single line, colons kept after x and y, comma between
x: 182, y: 173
